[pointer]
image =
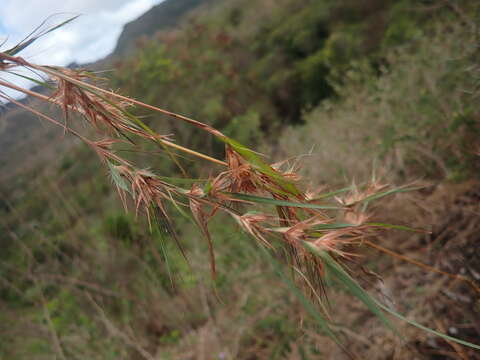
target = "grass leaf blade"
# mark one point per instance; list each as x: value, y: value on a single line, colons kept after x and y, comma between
x: 352, y: 286
x: 275, y: 202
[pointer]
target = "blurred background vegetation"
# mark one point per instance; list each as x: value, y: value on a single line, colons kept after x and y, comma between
x: 356, y: 86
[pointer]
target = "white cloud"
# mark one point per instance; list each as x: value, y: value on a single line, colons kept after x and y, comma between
x: 90, y: 37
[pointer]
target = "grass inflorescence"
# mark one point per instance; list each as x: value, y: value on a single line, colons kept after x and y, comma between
x: 316, y: 231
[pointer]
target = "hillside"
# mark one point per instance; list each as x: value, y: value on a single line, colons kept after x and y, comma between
x: 378, y: 94
x: 165, y: 15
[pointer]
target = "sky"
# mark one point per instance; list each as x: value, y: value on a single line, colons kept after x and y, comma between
x: 90, y: 37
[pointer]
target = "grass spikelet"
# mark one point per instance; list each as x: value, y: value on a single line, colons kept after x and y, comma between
x: 252, y: 224
x: 201, y: 218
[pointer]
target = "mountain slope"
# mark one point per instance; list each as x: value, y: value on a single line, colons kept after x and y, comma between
x: 165, y: 15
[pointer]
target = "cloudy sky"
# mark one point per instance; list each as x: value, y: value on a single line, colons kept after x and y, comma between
x: 90, y: 37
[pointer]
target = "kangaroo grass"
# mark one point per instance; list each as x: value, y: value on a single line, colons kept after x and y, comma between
x: 246, y: 188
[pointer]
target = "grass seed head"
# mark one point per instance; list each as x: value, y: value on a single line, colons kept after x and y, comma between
x: 252, y: 224
x: 240, y: 173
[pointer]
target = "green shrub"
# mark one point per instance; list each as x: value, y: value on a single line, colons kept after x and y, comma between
x: 119, y: 227
x: 417, y: 117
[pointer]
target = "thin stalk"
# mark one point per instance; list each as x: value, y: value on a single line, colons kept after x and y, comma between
x: 193, y: 152
x: 125, y: 98
x: 422, y: 265
x: 26, y: 91
x: 43, y: 116
x: 48, y: 99
x: 53, y: 333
